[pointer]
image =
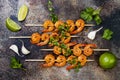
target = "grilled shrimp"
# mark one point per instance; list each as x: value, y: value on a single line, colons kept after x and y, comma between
x: 88, y: 49
x: 35, y: 38
x: 73, y: 61
x: 82, y: 59
x: 76, y: 49
x: 44, y: 38
x: 67, y: 38
x: 80, y: 26
x: 48, y: 25
x: 55, y: 36
x: 57, y: 50
x: 61, y: 61
x: 68, y: 45
x: 50, y: 60
x: 71, y: 24
x: 57, y: 24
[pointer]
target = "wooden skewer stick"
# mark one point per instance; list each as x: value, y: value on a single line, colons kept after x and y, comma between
x: 13, y: 37
x: 42, y: 60
x: 72, y: 49
x: 42, y: 25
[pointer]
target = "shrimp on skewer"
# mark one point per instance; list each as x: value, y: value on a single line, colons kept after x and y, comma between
x: 80, y: 26
x: 73, y: 61
x: 82, y: 59
x: 66, y: 38
x: 54, y: 37
x: 58, y: 23
x: 35, y: 38
x: 50, y: 60
x: 76, y: 49
x: 57, y: 50
x: 60, y: 61
x: 67, y: 51
x: 48, y: 25
x: 44, y: 38
x: 88, y: 49
x: 71, y: 24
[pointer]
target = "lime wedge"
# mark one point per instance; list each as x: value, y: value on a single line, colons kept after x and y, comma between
x: 22, y: 13
x: 12, y: 26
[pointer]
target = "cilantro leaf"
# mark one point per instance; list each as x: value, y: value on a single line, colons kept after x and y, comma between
x: 89, y: 10
x: 107, y: 34
x: 63, y: 46
x: 15, y: 64
x: 97, y: 19
x: 97, y: 11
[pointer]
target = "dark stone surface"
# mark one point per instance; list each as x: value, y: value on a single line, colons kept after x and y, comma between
x: 66, y: 9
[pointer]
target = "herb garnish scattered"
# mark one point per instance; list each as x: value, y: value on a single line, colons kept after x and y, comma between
x: 89, y: 14
x: 78, y: 66
x: 53, y: 16
x: 107, y: 34
x: 16, y: 64
x: 53, y: 41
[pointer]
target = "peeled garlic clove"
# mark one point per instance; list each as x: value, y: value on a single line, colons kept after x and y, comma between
x: 23, y: 49
x: 15, y: 49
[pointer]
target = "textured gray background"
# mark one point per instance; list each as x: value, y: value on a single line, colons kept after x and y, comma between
x: 65, y: 9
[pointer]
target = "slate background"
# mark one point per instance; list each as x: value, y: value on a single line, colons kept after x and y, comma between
x: 65, y: 9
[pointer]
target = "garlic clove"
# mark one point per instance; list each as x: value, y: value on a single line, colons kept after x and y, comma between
x: 15, y: 49
x: 23, y: 49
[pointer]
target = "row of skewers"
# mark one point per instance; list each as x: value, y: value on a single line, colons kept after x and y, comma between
x: 59, y: 38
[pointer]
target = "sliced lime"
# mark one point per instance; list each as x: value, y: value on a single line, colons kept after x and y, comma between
x: 12, y: 26
x: 22, y: 12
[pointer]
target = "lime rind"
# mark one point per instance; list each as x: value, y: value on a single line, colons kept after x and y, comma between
x: 12, y: 26
x: 22, y: 13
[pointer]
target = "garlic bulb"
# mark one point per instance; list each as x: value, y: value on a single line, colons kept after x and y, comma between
x: 23, y: 49
x: 15, y: 49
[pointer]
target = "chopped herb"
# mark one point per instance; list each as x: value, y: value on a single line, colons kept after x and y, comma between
x: 63, y: 46
x: 53, y: 16
x: 89, y: 10
x: 14, y: 63
x: 53, y: 41
x: 97, y: 11
x: 77, y: 67
x: 107, y: 34
x: 97, y: 19
x: 63, y: 28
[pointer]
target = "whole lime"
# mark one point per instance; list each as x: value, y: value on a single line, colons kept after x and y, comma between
x: 107, y: 60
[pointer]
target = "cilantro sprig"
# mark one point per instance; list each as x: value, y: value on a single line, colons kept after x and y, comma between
x: 107, y: 34
x: 15, y: 64
x: 90, y: 14
x: 53, y: 16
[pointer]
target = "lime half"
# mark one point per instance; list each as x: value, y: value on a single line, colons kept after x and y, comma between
x: 107, y: 60
x: 12, y: 26
x: 22, y: 13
